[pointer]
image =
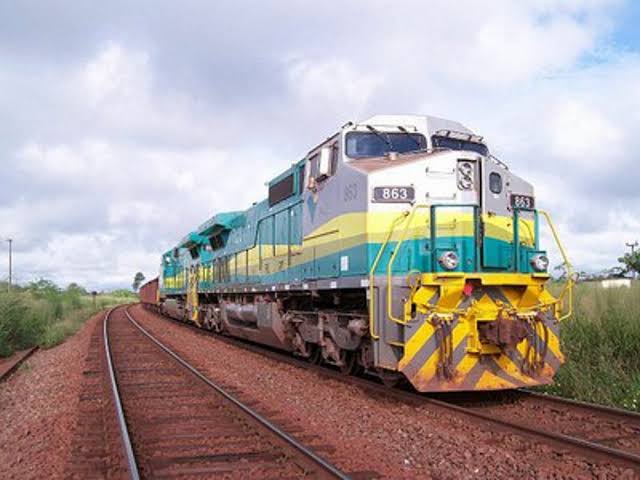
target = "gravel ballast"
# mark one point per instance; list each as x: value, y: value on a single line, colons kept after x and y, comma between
x: 377, y: 434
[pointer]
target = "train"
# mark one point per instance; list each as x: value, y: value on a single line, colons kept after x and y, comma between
x: 398, y: 247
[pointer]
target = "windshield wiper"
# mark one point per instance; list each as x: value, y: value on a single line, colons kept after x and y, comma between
x: 383, y: 136
x: 406, y: 132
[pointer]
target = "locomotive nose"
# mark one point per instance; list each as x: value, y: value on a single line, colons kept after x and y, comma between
x: 481, y: 332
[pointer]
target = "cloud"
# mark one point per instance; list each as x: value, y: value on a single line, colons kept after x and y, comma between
x: 116, y: 76
x: 335, y: 84
x: 127, y: 129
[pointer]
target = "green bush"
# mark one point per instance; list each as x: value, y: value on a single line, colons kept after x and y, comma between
x: 601, y: 343
x: 21, y: 322
x: 44, y: 314
x: 123, y: 293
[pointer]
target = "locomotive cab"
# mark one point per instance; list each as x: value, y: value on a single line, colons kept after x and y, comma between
x: 457, y: 296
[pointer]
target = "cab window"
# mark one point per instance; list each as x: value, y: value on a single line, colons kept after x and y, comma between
x: 378, y: 144
x: 495, y: 182
x: 448, y: 143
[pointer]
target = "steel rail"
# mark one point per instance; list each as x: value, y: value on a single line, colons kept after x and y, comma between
x: 585, y: 447
x: 18, y: 361
x: 309, y: 454
x: 602, y: 451
x: 132, y: 465
x: 607, y: 410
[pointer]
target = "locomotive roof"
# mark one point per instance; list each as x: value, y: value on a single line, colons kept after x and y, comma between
x: 424, y: 123
x: 221, y: 221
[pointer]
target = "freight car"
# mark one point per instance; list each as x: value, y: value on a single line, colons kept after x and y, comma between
x: 149, y: 293
x: 399, y: 246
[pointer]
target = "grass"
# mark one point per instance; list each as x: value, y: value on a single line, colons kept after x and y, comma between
x: 45, y: 315
x: 601, y: 342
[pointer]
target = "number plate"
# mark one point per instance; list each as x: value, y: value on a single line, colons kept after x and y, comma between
x: 394, y: 194
x: 522, y: 201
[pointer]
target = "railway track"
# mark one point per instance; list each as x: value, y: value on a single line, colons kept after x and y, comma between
x: 610, y: 431
x: 10, y: 365
x: 174, y: 422
x: 595, y: 432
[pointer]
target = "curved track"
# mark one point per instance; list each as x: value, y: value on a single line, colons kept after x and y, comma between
x: 176, y: 422
x: 596, y: 432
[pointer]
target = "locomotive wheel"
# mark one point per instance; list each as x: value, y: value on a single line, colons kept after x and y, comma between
x: 349, y: 362
x: 389, y: 379
x: 315, y: 355
x: 206, y: 323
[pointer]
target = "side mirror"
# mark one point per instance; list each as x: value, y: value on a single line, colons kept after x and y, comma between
x: 324, y: 163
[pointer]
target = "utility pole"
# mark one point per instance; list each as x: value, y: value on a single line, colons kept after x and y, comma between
x: 633, y: 246
x: 10, y: 240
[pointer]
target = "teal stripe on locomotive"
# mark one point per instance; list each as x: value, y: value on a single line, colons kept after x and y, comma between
x: 414, y: 255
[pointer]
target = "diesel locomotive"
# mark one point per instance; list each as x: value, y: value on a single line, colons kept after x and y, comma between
x: 399, y: 246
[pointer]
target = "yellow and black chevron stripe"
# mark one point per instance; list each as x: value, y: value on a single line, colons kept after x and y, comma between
x: 444, y: 350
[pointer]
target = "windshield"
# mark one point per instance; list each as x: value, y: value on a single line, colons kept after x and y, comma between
x: 376, y: 144
x: 455, y: 144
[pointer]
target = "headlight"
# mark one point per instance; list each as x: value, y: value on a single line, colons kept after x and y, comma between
x: 540, y: 262
x: 449, y: 260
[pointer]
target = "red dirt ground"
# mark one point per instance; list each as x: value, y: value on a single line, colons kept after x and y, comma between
x: 38, y: 409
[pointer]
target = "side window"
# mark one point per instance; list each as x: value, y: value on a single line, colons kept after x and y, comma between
x: 281, y: 190
x: 312, y: 170
x: 495, y: 182
x: 322, y: 165
x: 334, y: 158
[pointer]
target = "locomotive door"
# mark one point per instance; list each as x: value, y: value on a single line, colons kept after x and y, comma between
x: 192, y: 295
x: 497, y: 219
x: 322, y: 201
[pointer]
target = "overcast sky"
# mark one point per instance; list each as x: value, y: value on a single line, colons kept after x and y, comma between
x: 127, y: 124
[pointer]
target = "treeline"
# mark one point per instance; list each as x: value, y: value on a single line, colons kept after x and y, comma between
x: 42, y: 313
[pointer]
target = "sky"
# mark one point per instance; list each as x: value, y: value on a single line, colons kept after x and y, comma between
x: 127, y: 124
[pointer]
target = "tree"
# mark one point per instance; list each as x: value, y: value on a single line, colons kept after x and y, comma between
x: 615, y: 272
x: 137, y: 281
x: 75, y: 289
x: 631, y: 261
x: 44, y: 288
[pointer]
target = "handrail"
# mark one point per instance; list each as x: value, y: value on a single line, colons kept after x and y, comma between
x: 372, y: 272
x: 399, y: 244
x: 516, y: 233
x: 391, y: 262
x: 566, y: 290
x: 433, y: 234
x: 568, y: 286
